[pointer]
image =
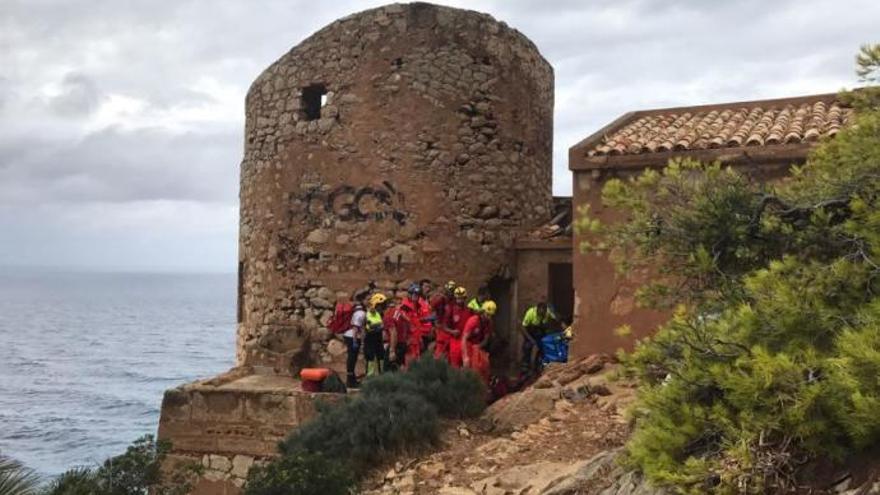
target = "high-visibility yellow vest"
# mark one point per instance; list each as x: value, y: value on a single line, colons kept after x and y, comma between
x: 374, y: 321
x: 532, y: 319
x: 474, y: 305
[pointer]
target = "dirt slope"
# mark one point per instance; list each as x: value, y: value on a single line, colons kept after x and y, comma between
x: 526, y: 443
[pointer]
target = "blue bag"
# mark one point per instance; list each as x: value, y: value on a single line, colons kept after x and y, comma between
x: 554, y: 348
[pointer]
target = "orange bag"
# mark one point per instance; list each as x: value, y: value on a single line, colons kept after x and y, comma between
x: 314, y: 374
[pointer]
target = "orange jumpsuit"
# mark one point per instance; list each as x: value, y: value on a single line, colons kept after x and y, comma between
x: 476, y: 330
x: 456, y: 317
x: 415, y: 314
x: 441, y: 342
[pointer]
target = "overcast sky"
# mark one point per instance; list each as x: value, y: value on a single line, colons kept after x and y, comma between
x: 121, y: 121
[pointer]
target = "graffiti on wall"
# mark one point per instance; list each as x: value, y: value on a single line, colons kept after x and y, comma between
x: 319, y: 207
x: 355, y: 204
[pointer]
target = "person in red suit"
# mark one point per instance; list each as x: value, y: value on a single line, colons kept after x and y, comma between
x: 457, y: 315
x: 416, y: 314
x: 439, y: 304
x: 396, y: 336
x: 475, y: 340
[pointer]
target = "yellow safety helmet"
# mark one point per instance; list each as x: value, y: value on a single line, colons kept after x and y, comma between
x: 451, y: 285
x: 460, y: 292
x: 490, y: 308
x: 377, y: 299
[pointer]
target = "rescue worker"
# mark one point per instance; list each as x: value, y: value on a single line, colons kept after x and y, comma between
x: 353, y: 337
x: 417, y: 314
x: 457, y: 314
x: 442, y: 333
x: 475, y: 340
x: 429, y: 322
x: 396, y: 335
x: 476, y: 304
x: 440, y: 301
x: 374, y: 351
x: 426, y: 286
x: 538, y: 321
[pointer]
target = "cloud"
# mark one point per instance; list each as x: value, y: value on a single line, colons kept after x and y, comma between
x: 125, y: 110
x: 121, y: 166
x: 78, y: 96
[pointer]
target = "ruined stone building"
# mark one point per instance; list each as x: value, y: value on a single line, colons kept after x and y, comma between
x: 414, y: 141
x: 406, y: 142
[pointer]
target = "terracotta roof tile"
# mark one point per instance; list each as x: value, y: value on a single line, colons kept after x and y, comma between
x: 761, y: 123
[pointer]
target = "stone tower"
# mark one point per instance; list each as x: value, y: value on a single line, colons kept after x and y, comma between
x: 399, y: 143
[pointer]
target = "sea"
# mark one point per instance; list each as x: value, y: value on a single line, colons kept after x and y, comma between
x: 85, y: 357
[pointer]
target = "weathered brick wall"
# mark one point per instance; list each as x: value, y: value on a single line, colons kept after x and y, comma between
x: 430, y: 155
x: 606, y: 299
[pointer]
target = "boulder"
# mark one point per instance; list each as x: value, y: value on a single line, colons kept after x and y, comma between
x: 487, y: 212
x: 320, y: 302
x: 602, y: 475
x: 432, y: 470
x: 455, y: 490
x: 318, y: 236
x: 404, y: 252
x: 523, y: 408
x: 326, y: 293
x: 241, y: 464
x: 219, y: 463
x: 532, y: 478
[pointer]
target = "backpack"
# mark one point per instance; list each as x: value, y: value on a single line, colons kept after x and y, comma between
x: 341, y: 319
x: 554, y: 348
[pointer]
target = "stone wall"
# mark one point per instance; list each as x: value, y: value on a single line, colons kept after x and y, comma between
x: 232, y: 421
x: 219, y: 475
x: 430, y: 155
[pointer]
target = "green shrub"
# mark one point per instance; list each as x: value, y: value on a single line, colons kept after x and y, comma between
x: 135, y: 472
x: 456, y: 393
x: 16, y: 479
x: 367, y: 430
x: 301, y: 473
x: 75, y: 481
x: 387, y: 384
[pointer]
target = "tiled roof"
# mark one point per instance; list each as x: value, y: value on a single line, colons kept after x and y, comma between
x: 759, y: 123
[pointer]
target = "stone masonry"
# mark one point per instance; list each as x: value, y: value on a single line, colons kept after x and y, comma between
x: 402, y: 142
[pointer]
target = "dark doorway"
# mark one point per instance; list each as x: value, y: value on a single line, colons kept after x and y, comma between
x: 560, y: 290
x: 503, y: 339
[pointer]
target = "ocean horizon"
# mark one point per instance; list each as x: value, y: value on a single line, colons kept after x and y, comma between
x: 87, y: 355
